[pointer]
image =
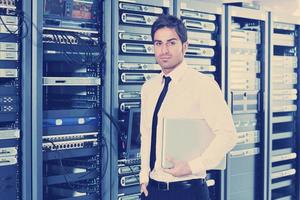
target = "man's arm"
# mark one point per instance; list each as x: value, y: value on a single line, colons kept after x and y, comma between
x: 145, y: 139
x: 219, y: 118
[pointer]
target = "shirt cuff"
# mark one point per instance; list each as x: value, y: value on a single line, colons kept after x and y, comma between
x: 144, y: 178
x: 196, y: 165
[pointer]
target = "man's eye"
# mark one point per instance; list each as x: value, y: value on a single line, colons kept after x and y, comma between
x: 172, y: 43
x: 157, y: 43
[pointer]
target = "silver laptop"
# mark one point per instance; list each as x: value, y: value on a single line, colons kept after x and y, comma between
x: 185, y: 139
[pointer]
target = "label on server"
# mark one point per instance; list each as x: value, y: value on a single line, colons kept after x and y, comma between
x: 245, y: 66
x: 130, y: 197
x: 197, y: 15
x: 203, y: 68
x: 135, y: 36
x: 284, y: 26
x: 200, y: 41
x: 138, y: 66
x: 200, y: 51
x: 284, y: 173
x: 10, y: 151
x: 283, y: 39
x: 140, y: 8
x: 199, y: 35
x: 245, y: 84
x: 244, y: 51
x: 287, y: 97
x: 130, y: 169
x: 250, y: 137
x: 8, y: 73
x: 8, y: 46
x: 126, y: 106
x: 130, y: 18
x: 199, y: 61
x: 9, y: 134
x: 71, y: 81
x: 8, y: 55
x: 132, y: 95
x: 289, y: 156
x: 284, y: 78
x: 9, y: 20
x: 245, y: 36
x: 130, y: 180
x: 11, y: 29
x: 5, y: 161
x: 137, y: 48
x: 136, y: 77
x: 244, y: 153
x: 249, y: 123
x: 199, y: 25
x: 284, y: 108
x: 285, y: 61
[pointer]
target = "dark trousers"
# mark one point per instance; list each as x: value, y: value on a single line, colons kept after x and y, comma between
x: 196, y: 192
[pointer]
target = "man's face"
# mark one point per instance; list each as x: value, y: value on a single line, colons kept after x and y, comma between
x: 168, y: 49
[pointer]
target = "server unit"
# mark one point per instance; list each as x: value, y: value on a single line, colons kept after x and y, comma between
x: 246, y: 56
x: 71, y: 99
x: 205, y: 25
x: 11, y: 22
x: 133, y: 64
x: 284, y: 115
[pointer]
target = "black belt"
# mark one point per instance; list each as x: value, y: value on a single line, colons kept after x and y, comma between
x: 178, y: 185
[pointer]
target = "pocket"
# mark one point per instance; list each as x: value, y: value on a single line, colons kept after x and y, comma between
x: 201, y: 192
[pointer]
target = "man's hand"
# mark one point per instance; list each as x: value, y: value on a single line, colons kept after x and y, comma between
x: 180, y: 168
x: 144, y: 189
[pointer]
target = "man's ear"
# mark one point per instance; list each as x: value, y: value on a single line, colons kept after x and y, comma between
x: 185, y: 46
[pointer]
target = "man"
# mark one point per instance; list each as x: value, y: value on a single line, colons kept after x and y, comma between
x: 179, y: 92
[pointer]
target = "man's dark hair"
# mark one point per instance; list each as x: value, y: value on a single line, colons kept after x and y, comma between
x: 170, y: 21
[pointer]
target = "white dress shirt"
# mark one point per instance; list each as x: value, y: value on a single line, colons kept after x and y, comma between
x: 194, y: 95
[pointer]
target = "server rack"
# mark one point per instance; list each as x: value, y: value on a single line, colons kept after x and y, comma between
x: 205, y: 25
x: 67, y: 122
x: 246, y: 53
x: 13, y: 134
x: 283, y: 168
x: 133, y: 63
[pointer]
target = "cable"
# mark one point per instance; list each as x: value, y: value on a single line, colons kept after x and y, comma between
x: 20, y: 15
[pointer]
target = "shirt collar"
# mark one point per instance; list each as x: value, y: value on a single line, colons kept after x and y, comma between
x: 177, y: 73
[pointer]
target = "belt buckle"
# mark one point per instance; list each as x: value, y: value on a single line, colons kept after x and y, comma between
x: 164, y: 186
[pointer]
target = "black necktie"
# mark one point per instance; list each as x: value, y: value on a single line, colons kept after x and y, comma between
x: 154, y: 121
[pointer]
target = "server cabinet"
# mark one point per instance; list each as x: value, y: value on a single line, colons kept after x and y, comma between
x: 133, y: 63
x: 246, y: 50
x: 68, y: 99
x: 283, y: 168
x: 12, y: 84
x: 205, y: 24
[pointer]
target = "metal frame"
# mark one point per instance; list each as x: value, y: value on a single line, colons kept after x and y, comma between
x: 233, y: 11
x: 276, y: 17
x: 26, y: 106
x: 115, y: 80
x: 37, y: 102
x: 269, y: 144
